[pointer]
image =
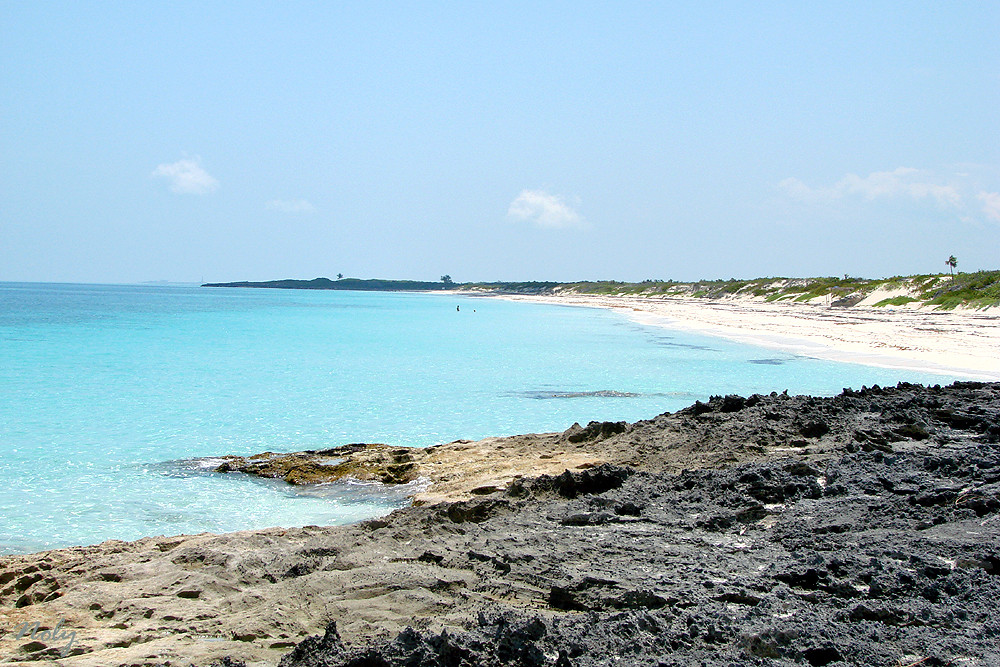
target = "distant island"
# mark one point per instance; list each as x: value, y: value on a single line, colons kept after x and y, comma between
x: 980, y: 289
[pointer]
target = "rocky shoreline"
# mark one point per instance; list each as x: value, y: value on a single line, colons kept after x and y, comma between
x: 861, y: 529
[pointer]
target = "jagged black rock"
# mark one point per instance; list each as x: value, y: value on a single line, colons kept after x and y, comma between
x: 873, y: 539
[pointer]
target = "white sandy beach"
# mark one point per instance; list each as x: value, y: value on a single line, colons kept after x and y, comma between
x: 964, y: 343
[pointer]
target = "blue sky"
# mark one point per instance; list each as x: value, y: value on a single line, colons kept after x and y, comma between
x: 192, y: 141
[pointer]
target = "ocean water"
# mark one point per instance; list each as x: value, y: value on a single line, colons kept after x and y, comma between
x: 111, y: 397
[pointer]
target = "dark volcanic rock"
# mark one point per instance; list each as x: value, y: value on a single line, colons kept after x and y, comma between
x: 877, y: 544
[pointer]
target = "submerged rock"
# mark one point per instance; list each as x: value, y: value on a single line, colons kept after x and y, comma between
x: 364, y: 462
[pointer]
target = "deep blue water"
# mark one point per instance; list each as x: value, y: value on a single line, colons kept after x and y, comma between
x: 107, y: 392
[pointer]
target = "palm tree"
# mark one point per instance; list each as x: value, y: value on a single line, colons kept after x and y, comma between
x: 339, y: 276
x: 952, y: 263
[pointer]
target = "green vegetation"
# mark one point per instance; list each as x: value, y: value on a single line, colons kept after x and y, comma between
x: 895, y: 301
x: 942, y: 291
x: 977, y: 290
x: 511, y: 288
x: 615, y: 287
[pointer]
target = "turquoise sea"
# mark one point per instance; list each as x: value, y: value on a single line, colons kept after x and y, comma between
x: 111, y: 395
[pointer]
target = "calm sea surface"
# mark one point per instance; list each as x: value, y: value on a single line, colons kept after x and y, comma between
x: 108, y: 393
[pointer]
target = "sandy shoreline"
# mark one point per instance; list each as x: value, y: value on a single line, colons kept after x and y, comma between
x: 953, y: 342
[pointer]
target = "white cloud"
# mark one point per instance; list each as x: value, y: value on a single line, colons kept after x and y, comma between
x: 900, y: 182
x: 903, y: 181
x: 964, y: 192
x: 290, y: 206
x: 796, y: 189
x: 544, y: 210
x: 186, y: 176
x: 991, y: 204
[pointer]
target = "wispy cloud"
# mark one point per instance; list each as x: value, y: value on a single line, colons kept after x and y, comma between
x: 991, y: 204
x: 291, y: 206
x: 900, y: 182
x: 187, y: 176
x: 543, y: 209
x: 956, y: 191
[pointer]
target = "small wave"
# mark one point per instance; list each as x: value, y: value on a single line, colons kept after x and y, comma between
x: 349, y: 490
x: 206, y: 463
x: 201, y: 465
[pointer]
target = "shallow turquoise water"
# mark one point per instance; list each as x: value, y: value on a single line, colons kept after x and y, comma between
x: 106, y: 392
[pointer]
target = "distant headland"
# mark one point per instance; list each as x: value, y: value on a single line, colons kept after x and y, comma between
x: 356, y: 284
x: 980, y: 289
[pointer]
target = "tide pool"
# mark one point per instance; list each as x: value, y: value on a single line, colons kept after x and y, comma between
x: 108, y: 392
